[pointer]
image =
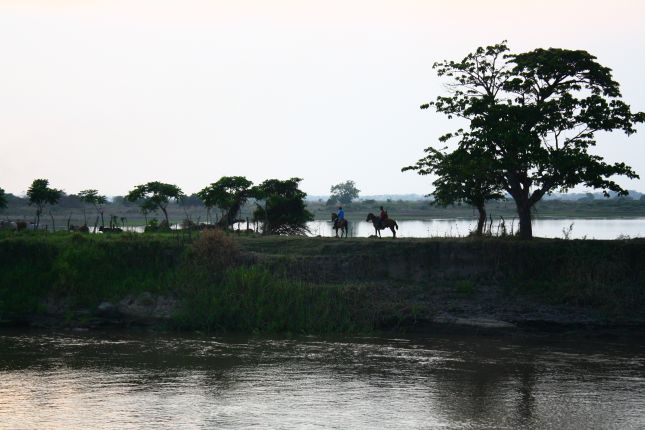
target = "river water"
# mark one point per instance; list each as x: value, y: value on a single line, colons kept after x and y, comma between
x: 71, y: 380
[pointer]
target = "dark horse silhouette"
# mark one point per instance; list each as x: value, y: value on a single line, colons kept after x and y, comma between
x: 380, y: 225
x: 339, y: 224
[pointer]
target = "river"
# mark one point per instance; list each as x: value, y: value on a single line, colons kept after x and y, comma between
x: 75, y: 380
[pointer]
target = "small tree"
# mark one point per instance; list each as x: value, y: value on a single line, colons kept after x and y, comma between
x: 535, y: 114
x: 93, y: 198
x: 463, y: 176
x: 229, y: 194
x: 40, y: 195
x: 155, y: 195
x: 344, y: 192
x: 3, y: 199
x: 284, y: 210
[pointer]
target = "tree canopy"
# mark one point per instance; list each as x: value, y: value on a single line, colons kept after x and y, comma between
x: 95, y: 199
x: 40, y: 195
x: 464, y: 175
x: 344, y: 192
x: 535, y: 116
x: 284, y: 211
x: 229, y: 194
x: 155, y: 195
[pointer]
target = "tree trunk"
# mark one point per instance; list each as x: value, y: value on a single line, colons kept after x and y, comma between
x: 526, y: 230
x: 481, y: 221
x: 53, y: 223
x: 165, y: 214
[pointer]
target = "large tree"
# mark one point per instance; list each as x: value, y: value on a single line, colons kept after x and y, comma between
x: 95, y: 199
x: 344, y: 192
x: 40, y: 195
x: 155, y: 195
x: 464, y: 175
x: 284, y: 210
x: 536, y: 115
x: 229, y: 194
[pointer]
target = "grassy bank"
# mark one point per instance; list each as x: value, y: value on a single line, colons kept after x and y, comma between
x: 314, y: 285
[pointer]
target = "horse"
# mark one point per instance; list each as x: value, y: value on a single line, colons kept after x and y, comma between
x: 103, y: 229
x: 380, y: 225
x: 339, y: 224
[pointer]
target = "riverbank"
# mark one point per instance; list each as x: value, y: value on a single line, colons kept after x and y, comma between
x: 229, y: 283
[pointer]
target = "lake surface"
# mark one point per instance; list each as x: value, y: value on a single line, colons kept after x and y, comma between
x: 575, y: 228
x: 74, y: 380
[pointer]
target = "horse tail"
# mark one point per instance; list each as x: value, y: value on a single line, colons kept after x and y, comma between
x: 395, y: 224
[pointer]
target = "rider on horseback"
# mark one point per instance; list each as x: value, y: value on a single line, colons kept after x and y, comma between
x: 383, y: 216
x: 341, y: 216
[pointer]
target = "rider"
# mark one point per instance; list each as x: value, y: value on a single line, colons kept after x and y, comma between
x: 383, y: 216
x: 341, y: 216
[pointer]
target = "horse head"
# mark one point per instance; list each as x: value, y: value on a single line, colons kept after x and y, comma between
x: 334, y: 217
x: 370, y: 216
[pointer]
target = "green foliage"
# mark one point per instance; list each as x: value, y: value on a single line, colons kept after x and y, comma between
x: 220, y: 285
x: 155, y: 195
x: 82, y: 270
x: 465, y: 175
x: 253, y: 300
x: 3, y: 199
x: 465, y: 287
x: 229, y: 194
x: 40, y: 195
x: 344, y: 192
x: 535, y: 115
x: 93, y: 198
x: 284, y: 210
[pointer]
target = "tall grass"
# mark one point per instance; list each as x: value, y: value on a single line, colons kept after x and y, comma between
x: 307, y: 285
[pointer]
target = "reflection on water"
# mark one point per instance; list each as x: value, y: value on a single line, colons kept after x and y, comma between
x: 161, y: 381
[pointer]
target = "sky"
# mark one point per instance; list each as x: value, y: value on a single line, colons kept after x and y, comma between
x: 108, y: 94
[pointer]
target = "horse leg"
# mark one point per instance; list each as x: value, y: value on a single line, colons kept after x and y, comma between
x: 393, y: 232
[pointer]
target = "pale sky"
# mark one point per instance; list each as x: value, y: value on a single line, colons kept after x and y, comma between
x: 108, y: 94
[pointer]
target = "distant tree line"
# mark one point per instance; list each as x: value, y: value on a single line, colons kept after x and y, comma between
x: 279, y: 204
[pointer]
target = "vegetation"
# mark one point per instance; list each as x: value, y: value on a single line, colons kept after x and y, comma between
x: 277, y: 284
x: 155, y: 195
x: 463, y: 176
x: 284, y: 210
x: 228, y: 194
x: 344, y: 192
x: 535, y: 115
x: 3, y: 199
x: 93, y: 198
x: 40, y: 195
